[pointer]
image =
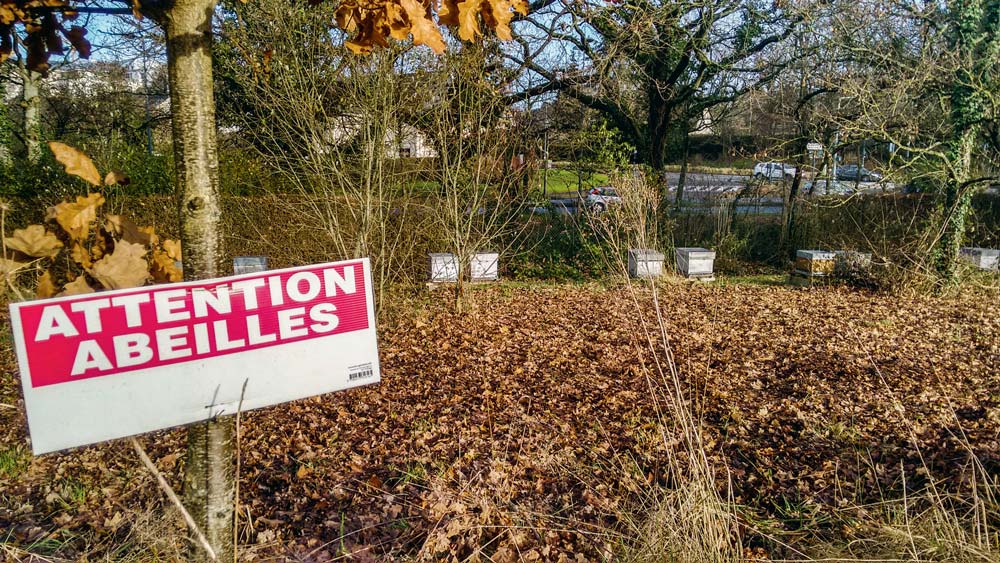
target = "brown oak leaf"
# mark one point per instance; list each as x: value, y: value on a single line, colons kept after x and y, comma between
x: 75, y: 217
x: 76, y: 162
x: 173, y: 248
x: 164, y: 268
x: 423, y: 28
x: 116, y: 178
x: 499, y: 15
x: 34, y: 241
x: 9, y: 267
x: 78, y: 286
x: 123, y: 268
x: 468, y: 19
x: 113, y: 224
x: 150, y: 234
x: 46, y: 287
x: 124, y: 229
x: 448, y: 12
x: 81, y: 255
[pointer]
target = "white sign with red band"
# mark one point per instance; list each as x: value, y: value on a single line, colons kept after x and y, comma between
x: 118, y: 363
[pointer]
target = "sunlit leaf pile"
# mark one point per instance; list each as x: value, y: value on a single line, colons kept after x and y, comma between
x: 527, y: 429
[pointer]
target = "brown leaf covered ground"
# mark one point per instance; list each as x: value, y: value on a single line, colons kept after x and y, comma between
x: 526, y: 430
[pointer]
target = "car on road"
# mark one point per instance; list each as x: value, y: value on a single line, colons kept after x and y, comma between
x: 601, y: 198
x: 855, y: 173
x: 774, y: 171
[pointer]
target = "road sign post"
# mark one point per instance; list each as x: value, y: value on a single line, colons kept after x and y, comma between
x: 815, y: 151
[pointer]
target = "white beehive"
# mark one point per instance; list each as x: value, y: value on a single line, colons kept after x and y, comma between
x: 694, y: 262
x: 249, y: 264
x: 483, y: 266
x: 982, y: 258
x: 443, y: 267
x: 814, y: 263
x: 644, y: 263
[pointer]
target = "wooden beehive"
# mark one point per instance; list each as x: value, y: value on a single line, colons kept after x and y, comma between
x: 814, y: 263
x: 483, y: 266
x: 695, y: 263
x: 982, y: 258
x: 443, y: 267
x: 644, y: 263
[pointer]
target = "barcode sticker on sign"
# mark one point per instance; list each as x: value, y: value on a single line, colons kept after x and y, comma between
x: 360, y: 371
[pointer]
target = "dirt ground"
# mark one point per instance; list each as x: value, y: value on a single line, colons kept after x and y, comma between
x: 526, y: 428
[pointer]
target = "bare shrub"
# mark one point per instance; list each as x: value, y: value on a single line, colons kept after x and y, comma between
x: 480, y: 174
x: 327, y: 122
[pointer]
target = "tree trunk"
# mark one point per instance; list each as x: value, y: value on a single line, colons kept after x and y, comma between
x: 682, y: 177
x: 208, y: 480
x: 788, y: 229
x: 656, y: 135
x: 657, y: 146
x: 656, y: 131
x: 971, y: 33
x: 827, y: 165
x: 6, y: 158
x: 32, y: 99
x: 957, y: 203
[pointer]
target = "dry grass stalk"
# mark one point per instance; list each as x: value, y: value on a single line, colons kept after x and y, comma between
x: 691, y: 522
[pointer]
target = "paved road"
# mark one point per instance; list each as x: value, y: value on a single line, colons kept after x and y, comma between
x: 724, y: 183
x: 697, y: 179
x: 698, y: 187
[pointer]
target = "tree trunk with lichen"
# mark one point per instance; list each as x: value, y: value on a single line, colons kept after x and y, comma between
x: 209, y: 476
x: 31, y: 98
x: 6, y: 157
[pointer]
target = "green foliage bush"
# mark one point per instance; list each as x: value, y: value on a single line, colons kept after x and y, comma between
x: 149, y: 174
x: 44, y: 180
x: 558, y: 247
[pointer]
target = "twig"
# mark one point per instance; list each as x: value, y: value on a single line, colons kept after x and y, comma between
x: 236, y: 478
x: 173, y: 498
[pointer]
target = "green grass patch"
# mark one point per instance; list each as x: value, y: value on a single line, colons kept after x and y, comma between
x: 566, y: 182
x: 14, y: 460
x: 736, y: 168
x: 72, y: 492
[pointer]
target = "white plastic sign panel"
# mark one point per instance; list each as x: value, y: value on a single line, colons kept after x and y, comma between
x: 118, y: 363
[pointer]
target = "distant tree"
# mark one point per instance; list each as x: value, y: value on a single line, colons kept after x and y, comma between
x: 97, y: 102
x: 925, y: 76
x: 582, y: 136
x: 647, y: 64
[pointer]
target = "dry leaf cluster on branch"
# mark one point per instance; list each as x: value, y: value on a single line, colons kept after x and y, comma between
x: 45, y: 24
x: 370, y: 22
x: 86, y: 249
x: 374, y: 22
